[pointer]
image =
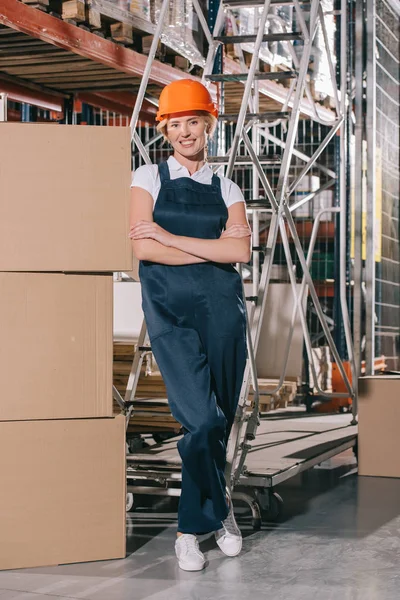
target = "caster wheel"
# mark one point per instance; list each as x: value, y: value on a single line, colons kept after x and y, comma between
x: 355, y: 450
x: 275, y: 506
x: 163, y: 436
x: 309, y: 402
x: 135, y: 444
x: 129, y: 501
x: 256, y: 524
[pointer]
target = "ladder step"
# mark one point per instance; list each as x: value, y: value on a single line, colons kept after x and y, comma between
x: 243, y: 160
x: 258, y: 3
x: 261, y: 203
x: 265, y: 116
x: 268, y: 37
x: 243, y: 76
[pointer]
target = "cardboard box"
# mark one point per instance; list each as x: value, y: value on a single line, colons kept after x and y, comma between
x: 64, y: 198
x: 63, y: 492
x: 378, y: 428
x: 56, y: 346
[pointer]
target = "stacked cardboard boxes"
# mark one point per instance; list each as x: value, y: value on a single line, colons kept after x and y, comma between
x: 378, y: 426
x: 64, y: 208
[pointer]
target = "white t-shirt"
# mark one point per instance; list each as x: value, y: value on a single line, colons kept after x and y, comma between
x: 148, y: 178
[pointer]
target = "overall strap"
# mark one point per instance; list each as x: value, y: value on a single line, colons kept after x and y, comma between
x: 216, y: 181
x: 163, y: 170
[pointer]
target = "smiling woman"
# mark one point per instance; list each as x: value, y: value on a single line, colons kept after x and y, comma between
x: 188, y: 226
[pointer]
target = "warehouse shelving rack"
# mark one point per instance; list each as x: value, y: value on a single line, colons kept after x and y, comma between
x: 157, y: 470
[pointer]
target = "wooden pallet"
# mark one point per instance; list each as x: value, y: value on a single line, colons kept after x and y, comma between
x: 152, y: 412
x: 271, y: 400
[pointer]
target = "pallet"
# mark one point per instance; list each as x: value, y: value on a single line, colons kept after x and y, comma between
x: 151, y: 412
x: 271, y: 400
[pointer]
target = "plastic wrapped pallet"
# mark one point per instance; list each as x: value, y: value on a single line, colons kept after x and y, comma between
x: 278, y: 21
x: 320, y: 73
x: 182, y: 31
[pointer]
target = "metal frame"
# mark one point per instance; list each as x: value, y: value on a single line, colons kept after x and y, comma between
x: 3, y: 107
x: 371, y: 188
x: 245, y: 424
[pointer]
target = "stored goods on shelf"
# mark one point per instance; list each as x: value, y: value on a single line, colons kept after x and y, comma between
x: 122, y: 32
x: 74, y: 9
x: 140, y: 8
x: 182, y: 31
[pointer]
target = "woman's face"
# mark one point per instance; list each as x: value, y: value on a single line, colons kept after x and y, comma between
x: 187, y: 134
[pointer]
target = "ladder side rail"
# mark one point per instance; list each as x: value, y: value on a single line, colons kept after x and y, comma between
x: 142, y: 149
x: 294, y: 119
x: 307, y: 87
x: 147, y: 69
x: 136, y: 364
x: 118, y: 398
x: 255, y: 194
x: 255, y: 330
x: 247, y: 89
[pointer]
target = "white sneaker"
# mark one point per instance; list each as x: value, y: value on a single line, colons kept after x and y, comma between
x: 229, y: 538
x: 188, y: 553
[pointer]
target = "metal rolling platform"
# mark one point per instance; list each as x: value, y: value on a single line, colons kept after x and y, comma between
x: 287, y: 443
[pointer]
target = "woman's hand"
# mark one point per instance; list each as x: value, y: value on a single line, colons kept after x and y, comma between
x: 150, y: 230
x: 237, y: 230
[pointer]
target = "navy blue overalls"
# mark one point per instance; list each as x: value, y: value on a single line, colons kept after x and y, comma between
x: 195, y: 317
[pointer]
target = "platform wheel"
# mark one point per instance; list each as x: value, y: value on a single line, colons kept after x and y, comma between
x: 275, y: 506
x: 129, y: 501
x: 355, y: 450
x: 309, y: 401
x: 163, y: 436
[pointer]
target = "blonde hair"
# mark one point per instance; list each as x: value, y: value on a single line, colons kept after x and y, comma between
x: 210, y: 121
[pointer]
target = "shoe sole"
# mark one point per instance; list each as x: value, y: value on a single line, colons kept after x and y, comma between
x: 185, y: 567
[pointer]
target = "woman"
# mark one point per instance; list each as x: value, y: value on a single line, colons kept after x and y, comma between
x: 187, y: 228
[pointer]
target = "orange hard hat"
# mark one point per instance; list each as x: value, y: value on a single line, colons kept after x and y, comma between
x: 185, y: 95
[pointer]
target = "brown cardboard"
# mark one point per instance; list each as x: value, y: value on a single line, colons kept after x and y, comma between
x: 62, y: 493
x: 378, y: 429
x: 64, y: 198
x: 56, y: 346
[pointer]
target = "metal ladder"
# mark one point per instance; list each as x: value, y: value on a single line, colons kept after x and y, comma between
x: 277, y: 203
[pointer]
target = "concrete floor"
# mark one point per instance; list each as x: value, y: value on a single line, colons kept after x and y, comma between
x: 339, y: 539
